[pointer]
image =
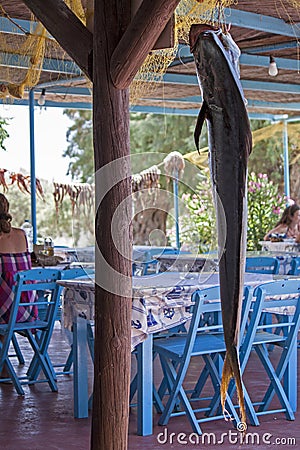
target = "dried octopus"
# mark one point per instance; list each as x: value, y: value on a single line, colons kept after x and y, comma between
x: 24, y: 182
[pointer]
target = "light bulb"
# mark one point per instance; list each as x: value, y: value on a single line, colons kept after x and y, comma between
x: 42, y: 98
x: 273, y: 71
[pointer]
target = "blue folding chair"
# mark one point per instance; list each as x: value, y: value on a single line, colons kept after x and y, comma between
x: 34, y: 368
x: 274, y: 298
x: 37, y: 332
x: 262, y: 264
x: 176, y: 353
x: 281, y: 299
x: 295, y: 266
x: 150, y: 265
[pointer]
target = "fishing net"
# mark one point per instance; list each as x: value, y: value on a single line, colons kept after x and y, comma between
x: 36, y: 45
x: 156, y: 64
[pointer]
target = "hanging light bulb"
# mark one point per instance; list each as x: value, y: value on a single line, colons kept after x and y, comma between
x: 42, y: 98
x: 273, y: 71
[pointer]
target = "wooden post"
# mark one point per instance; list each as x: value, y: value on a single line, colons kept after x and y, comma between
x: 145, y: 27
x: 112, y: 310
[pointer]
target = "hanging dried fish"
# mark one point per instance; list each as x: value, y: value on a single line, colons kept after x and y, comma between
x: 23, y: 182
x: 39, y: 189
x: 3, y: 180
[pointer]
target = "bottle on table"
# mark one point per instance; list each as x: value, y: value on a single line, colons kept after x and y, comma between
x: 48, y: 246
x: 28, y: 228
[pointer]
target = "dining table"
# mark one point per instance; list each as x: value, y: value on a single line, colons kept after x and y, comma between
x: 159, y: 302
x: 191, y: 262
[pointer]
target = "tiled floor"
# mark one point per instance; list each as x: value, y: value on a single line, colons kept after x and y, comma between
x: 43, y: 420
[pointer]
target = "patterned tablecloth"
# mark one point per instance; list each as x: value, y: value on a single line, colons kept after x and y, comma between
x: 159, y: 301
x: 187, y: 263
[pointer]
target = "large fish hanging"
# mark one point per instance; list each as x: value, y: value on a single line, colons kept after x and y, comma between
x: 216, y: 56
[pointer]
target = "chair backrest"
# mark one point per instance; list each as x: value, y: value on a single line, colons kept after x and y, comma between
x: 208, y: 301
x: 295, y: 266
x: 279, y: 297
x: 262, y: 264
x: 69, y: 274
x: 150, y: 265
x: 43, y: 283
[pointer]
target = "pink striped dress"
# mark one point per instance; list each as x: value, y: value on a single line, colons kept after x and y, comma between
x: 10, y: 263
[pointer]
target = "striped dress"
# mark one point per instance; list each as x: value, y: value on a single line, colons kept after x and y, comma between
x: 10, y: 263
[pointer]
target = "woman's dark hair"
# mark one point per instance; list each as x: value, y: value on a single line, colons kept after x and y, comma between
x: 287, y: 215
x: 5, y: 217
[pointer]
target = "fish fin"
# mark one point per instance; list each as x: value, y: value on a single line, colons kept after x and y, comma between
x: 231, y: 369
x: 227, y: 374
x: 199, y: 124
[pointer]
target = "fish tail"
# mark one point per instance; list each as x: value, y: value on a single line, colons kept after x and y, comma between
x: 231, y: 369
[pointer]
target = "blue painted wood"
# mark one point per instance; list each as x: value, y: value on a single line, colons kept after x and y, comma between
x: 150, y: 265
x: 286, y: 171
x: 37, y: 332
x: 144, y: 379
x: 278, y: 294
x: 34, y: 368
x: 260, y: 22
x: 80, y: 368
x: 295, y: 266
x: 176, y: 352
x: 262, y: 264
x: 32, y: 164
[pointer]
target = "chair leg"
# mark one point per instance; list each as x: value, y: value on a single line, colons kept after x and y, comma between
x: 275, y: 386
x: 44, y: 361
x: 69, y: 362
x: 213, y: 366
x: 17, y: 349
x: 13, y: 377
x: 177, y: 390
x: 215, y: 408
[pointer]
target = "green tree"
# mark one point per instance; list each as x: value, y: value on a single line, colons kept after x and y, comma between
x: 265, y: 205
x: 149, y: 134
x: 3, y: 132
x: 80, y: 148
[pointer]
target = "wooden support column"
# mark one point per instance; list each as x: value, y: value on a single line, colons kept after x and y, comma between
x: 112, y: 309
x: 140, y: 37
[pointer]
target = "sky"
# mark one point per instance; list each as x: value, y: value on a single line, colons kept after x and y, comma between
x: 50, y: 142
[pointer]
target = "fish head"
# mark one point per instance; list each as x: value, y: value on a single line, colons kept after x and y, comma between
x: 196, y: 30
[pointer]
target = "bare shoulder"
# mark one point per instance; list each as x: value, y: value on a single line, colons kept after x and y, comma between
x: 17, y: 231
x: 13, y: 242
x: 19, y: 237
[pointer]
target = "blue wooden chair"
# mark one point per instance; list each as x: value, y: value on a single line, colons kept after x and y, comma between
x: 37, y: 332
x: 34, y: 368
x: 262, y: 264
x: 176, y: 353
x: 151, y: 265
x: 281, y: 299
x: 273, y: 298
x: 295, y: 266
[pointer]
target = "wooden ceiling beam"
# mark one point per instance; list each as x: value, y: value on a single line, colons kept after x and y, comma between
x: 138, y: 40
x: 67, y: 29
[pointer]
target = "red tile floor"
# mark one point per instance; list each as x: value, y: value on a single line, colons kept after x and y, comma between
x: 43, y: 420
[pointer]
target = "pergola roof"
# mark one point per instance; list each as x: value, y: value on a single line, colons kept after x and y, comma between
x: 261, y: 29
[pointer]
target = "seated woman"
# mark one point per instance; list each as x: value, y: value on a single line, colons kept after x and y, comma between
x: 14, y: 256
x: 289, y: 224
